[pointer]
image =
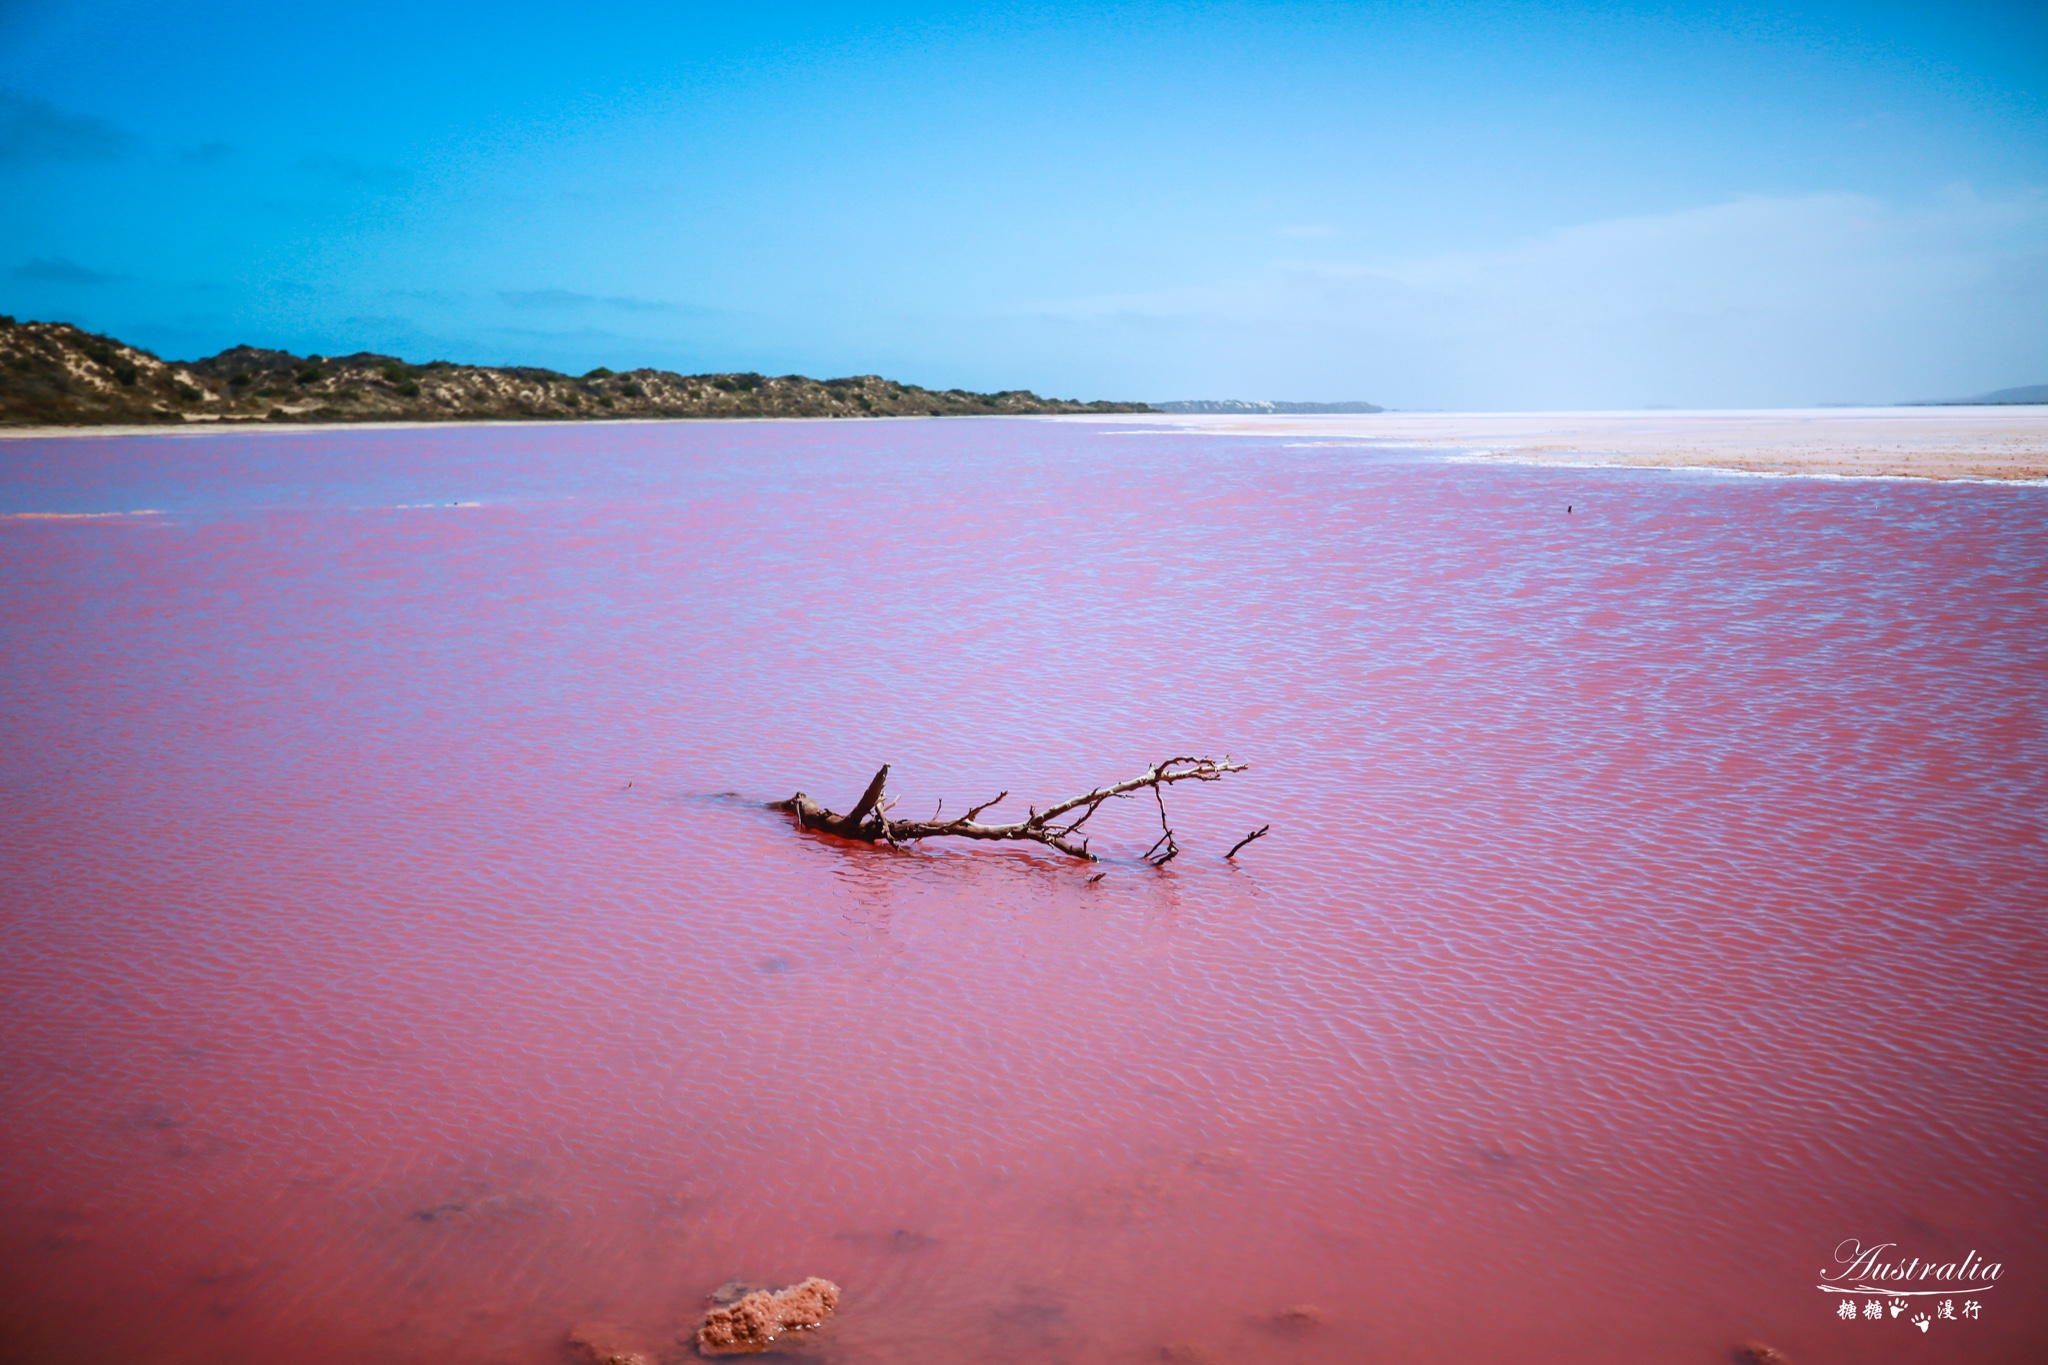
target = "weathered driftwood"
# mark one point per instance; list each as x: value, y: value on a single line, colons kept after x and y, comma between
x: 1057, y: 826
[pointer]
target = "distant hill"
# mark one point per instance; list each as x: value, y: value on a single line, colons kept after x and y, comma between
x: 52, y: 373
x: 2026, y: 393
x: 1240, y: 405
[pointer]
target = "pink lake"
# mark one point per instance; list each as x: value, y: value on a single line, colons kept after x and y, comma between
x: 398, y: 963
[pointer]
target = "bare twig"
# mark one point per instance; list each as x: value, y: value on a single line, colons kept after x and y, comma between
x: 1172, y: 848
x: 1258, y: 833
x: 870, y: 822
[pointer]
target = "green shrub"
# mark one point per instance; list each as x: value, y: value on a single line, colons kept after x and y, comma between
x: 599, y: 373
x: 111, y: 359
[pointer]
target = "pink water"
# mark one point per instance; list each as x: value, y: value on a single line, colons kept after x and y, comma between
x: 397, y: 964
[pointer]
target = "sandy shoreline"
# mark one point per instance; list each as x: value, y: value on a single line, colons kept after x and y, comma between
x: 2006, y: 444
x: 259, y: 427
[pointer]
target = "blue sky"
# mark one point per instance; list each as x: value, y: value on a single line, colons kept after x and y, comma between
x: 1427, y: 206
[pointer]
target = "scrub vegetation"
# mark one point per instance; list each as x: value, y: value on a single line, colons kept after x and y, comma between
x: 52, y: 373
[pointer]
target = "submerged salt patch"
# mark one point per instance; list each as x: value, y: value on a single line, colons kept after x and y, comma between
x: 751, y: 1325
x: 605, y: 1343
x: 79, y: 516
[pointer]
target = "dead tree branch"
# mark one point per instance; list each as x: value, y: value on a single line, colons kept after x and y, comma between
x: 1258, y: 833
x: 1152, y: 854
x: 1057, y: 826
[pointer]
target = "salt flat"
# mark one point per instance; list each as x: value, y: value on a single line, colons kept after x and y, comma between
x: 2005, y: 443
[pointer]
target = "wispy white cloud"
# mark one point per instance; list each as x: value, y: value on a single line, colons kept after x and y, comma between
x: 347, y: 172
x: 566, y: 300
x: 59, y: 270
x: 1757, y: 300
x: 36, y: 130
